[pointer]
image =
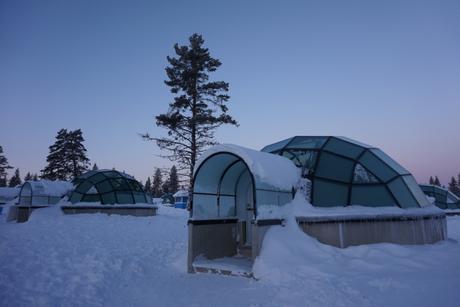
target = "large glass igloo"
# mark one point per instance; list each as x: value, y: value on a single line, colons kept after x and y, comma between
x: 345, y: 172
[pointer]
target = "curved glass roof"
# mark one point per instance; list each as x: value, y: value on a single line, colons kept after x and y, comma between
x: 346, y: 172
x: 443, y: 198
x: 229, y: 177
x: 107, y: 187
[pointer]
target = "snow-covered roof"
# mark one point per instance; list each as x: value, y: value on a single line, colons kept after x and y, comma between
x: 48, y: 187
x: 181, y: 193
x: 273, y: 170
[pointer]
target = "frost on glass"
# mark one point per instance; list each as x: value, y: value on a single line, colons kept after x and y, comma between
x: 361, y: 175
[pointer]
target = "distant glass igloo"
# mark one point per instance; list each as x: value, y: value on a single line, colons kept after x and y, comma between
x: 443, y: 198
x: 345, y: 172
x: 107, y: 187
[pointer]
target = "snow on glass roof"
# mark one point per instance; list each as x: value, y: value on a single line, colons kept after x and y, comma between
x: 56, y: 188
x: 275, y: 171
x: 346, y: 172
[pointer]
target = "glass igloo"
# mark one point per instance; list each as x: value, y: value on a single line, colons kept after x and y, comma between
x: 345, y: 172
x: 107, y: 187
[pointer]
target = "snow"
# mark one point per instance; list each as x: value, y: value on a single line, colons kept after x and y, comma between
x: 50, y: 188
x: 274, y: 170
x: 301, y: 208
x: 101, y: 260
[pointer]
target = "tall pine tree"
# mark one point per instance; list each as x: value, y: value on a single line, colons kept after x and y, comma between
x: 157, y: 185
x: 199, y: 105
x: 436, y: 181
x: 173, y: 180
x: 431, y: 180
x: 454, y: 186
x: 148, y: 186
x: 95, y: 167
x: 15, y: 179
x: 76, y: 158
x: 4, y: 166
x: 67, y: 158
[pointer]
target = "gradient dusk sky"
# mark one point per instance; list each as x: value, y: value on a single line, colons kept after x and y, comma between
x: 386, y: 73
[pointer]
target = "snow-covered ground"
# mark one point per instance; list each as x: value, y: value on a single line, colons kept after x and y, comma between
x: 100, y: 260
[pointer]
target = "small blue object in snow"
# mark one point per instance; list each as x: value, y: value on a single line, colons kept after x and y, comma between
x: 180, y: 202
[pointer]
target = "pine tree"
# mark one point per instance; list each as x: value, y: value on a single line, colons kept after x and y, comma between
x: 157, y: 185
x: 431, y: 180
x: 95, y: 168
x: 165, y: 188
x: 67, y: 158
x: 28, y: 177
x: 148, y: 186
x: 436, y: 181
x: 15, y: 179
x: 199, y: 106
x: 173, y: 180
x: 35, y: 177
x: 453, y: 185
x: 56, y: 168
x: 4, y: 165
x: 76, y: 158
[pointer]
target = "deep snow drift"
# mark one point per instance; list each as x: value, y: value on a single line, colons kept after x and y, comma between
x: 100, y: 260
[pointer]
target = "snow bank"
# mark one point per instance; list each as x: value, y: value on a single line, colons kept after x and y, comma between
x: 301, y: 208
x: 274, y: 170
x: 181, y: 193
x: 102, y: 260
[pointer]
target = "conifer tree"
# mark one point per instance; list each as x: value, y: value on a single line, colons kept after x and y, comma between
x: 165, y: 188
x: 431, y: 180
x: 4, y: 166
x: 28, y: 177
x: 454, y: 187
x: 15, y: 180
x: 76, y: 158
x: 67, y: 158
x: 35, y: 177
x: 173, y: 180
x: 157, y: 185
x: 95, y: 168
x: 436, y: 181
x: 199, y: 106
x: 148, y: 186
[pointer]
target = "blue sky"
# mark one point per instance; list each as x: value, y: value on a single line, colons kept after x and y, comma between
x: 386, y: 73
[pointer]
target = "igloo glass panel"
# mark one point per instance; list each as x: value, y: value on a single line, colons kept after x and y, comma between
x: 343, y: 148
x: 108, y: 198
x: 139, y: 197
x: 227, y: 206
x: 361, y: 175
x: 104, y: 186
x: 329, y: 194
x: 392, y: 163
x: 228, y: 184
x: 204, y: 206
x: 306, y: 159
x: 125, y: 197
x: 208, y: 177
x: 377, y: 166
x: 98, y: 177
x: 402, y: 193
x: 276, y: 146
x: 371, y: 196
x: 416, y: 191
x: 334, y: 167
x: 314, y: 142
x: 120, y: 184
x: 84, y: 187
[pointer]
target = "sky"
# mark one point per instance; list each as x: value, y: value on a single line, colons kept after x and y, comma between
x: 386, y: 73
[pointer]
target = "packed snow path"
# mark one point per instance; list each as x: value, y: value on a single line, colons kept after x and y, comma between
x: 99, y: 260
